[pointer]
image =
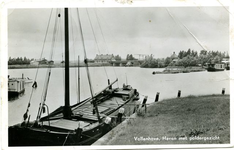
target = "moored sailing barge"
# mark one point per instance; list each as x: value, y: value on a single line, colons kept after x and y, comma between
x: 79, y: 124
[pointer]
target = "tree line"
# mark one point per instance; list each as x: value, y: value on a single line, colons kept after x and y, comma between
x: 19, y: 61
x: 128, y: 57
x: 185, y: 59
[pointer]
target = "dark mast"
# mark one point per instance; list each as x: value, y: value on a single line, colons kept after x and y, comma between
x: 67, y: 108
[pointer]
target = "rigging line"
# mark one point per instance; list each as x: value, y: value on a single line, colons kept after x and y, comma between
x: 187, y: 30
x: 95, y: 39
x: 85, y: 56
x: 54, y: 37
x: 30, y: 98
x: 105, y: 42
x: 78, y: 82
x: 106, y: 48
x: 43, y: 99
x: 44, y: 41
x: 66, y: 139
x: 73, y: 47
x: 46, y: 84
x: 45, y: 94
x: 126, y: 78
x: 62, y: 52
x: 52, y: 46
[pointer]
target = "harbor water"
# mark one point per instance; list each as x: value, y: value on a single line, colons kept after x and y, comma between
x: 195, y: 83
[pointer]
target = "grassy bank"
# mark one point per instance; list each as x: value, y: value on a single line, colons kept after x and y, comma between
x: 190, y: 120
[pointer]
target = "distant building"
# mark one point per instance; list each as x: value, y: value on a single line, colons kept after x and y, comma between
x: 34, y: 62
x: 129, y: 63
x: 90, y: 60
x: 104, y: 58
x: 174, y: 57
x: 225, y: 60
x: 43, y: 61
x: 51, y: 62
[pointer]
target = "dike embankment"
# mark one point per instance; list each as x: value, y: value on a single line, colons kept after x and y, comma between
x: 187, y: 120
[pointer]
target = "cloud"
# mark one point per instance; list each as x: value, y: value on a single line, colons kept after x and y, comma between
x: 123, y: 30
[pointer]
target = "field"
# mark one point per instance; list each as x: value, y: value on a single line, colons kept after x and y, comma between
x: 189, y: 120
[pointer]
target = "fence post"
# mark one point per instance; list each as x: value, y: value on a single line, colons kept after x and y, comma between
x: 223, y: 91
x: 157, y: 97
x: 179, y: 93
x: 144, y: 101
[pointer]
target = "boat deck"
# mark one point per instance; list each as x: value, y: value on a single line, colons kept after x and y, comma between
x: 83, y: 114
x: 86, y: 110
x: 66, y: 124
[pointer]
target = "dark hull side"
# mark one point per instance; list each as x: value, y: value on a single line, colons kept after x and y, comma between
x: 29, y: 135
x: 14, y: 93
x: 214, y: 69
x: 42, y: 137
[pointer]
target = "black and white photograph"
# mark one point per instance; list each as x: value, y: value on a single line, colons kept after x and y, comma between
x: 131, y: 74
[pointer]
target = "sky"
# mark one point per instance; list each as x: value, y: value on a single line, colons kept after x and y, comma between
x: 159, y: 31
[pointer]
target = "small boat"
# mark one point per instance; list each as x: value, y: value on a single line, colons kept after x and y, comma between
x: 80, y: 124
x: 227, y: 67
x: 15, y: 87
x: 26, y: 80
x: 215, y: 67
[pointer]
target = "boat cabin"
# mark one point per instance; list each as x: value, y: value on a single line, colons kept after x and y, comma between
x: 15, y: 86
x: 215, y: 67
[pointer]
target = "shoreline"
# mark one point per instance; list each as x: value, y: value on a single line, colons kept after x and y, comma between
x: 179, y: 69
x: 52, y: 66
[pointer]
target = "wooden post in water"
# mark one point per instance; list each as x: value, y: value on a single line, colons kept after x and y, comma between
x: 144, y: 103
x: 223, y: 91
x: 157, y: 97
x: 179, y: 93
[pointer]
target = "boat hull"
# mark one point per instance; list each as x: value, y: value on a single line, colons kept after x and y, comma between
x: 15, y: 93
x: 82, y: 130
x: 15, y: 87
x: 214, y: 69
x: 36, y: 136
